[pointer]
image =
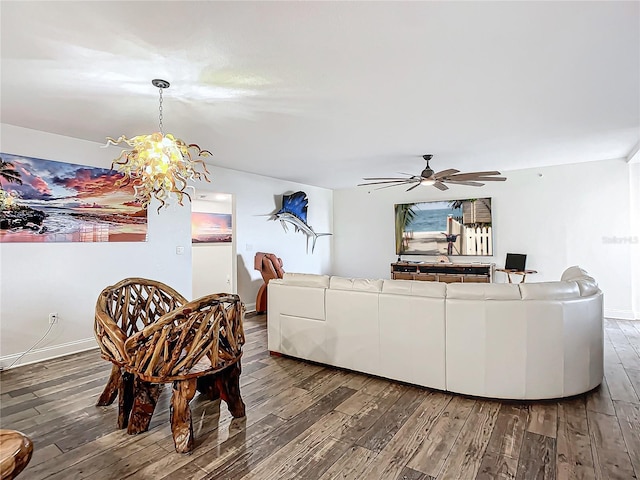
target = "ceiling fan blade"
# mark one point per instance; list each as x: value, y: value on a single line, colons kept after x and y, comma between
x: 385, y: 178
x: 465, y: 182
x: 394, y: 185
x: 491, y: 179
x: 396, y: 182
x: 474, y: 179
x: 445, y: 173
x: 411, y: 188
x: 482, y: 174
x: 471, y: 175
x: 440, y: 186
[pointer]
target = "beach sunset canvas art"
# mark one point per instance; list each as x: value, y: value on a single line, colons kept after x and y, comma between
x: 49, y: 201
x: 211, y: 227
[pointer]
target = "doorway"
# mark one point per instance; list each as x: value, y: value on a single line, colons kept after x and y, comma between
x: 213, y: 259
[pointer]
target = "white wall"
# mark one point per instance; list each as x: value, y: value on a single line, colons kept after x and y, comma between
x: 564, y: 217
x: 634, y: 185
x: 213, y: 263
x: 36, y: 279
x: 66, y: 278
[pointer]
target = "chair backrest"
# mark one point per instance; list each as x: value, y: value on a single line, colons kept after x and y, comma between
x: 128, y: 307
x: 202, y: 336
x: 269, y: 265
x: 135, y: 303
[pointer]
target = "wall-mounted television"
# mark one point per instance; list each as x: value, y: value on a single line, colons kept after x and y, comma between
x: 450, y: 227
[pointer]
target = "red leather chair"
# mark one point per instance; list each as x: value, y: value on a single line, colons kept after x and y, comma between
x: 270, y: 267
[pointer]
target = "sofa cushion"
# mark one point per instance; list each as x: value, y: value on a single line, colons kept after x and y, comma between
x: 359, y: 284
x: 306, y: 280
x: 573, y: 273
x: 415, y: 288
x: 483, y: 291
x: 549, y: 290
x: 588, y: 286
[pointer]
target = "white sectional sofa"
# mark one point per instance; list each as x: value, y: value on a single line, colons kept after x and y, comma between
x: 512, y: 341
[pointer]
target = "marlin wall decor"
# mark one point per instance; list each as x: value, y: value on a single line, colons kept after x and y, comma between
x: 294, y: 211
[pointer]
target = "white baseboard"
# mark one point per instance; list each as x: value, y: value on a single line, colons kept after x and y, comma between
x: 619, y: 314
x: 250, y: 307
x: 47, y: 353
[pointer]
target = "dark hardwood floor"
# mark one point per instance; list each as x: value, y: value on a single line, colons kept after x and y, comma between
x: 308, y: 422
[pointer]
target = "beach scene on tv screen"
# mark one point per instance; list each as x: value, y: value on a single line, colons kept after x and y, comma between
x: 451, y: 227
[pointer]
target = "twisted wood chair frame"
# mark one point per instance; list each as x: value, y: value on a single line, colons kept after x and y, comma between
x: 154, y: 336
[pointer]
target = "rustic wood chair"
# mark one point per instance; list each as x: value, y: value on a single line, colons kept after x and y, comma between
x: 122, y: 310
x: 196, y: 346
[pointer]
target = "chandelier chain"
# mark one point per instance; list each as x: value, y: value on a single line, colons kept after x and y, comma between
x: 160, y: 113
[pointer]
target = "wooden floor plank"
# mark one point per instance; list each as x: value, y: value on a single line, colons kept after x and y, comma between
x: 543, y: 419
x: 370, y: 413
x: 628, y: 355
x: 619, y: 384
x: 311, y: 450
x: 466, y: 455
x: 629, y: 420
x: 408, y: 474
x: 242, y: 464
x: 599, y: 400
x: 383, y: 430
x: 634, y: 377
x: 393, y: 458
x: 608, y: 449
x: 497, y: 467
x: 506, y: 438
x: 631, y: 329
x: 610, y: 354
x: 350, y: 465
x: 537, y: 458
x: 574, y: 458
x: 434, y: 450
x: 212, y: 454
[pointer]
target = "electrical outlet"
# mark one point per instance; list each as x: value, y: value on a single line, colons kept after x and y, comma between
x: 53, y: 318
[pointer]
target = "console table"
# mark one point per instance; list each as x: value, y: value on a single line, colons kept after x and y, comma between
x: 443, y: 272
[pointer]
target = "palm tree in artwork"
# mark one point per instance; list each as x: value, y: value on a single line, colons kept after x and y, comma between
x: 9, y: 173
x: 405, y: 213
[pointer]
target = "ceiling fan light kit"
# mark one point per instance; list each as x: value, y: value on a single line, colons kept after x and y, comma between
x: 438, y: 180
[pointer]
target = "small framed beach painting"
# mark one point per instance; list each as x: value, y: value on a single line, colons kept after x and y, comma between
x: 49, y: 201
x: 451, y: 227
x: 209, y: 227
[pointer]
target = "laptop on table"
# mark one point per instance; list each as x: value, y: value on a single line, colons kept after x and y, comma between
x: 515, y: 262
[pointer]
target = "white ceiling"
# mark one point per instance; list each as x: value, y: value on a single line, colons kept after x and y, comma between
x: 325, y: 93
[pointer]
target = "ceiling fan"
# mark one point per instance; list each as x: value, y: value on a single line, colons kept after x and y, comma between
x: 438, y: 180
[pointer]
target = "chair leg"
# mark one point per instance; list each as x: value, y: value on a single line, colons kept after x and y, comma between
x: 229, y: 385
x: 144, y: 403
x: 181, y: 426
x: 125, y: 399
x: 111, y: 390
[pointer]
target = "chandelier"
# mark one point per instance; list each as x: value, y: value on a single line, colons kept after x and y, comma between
x: 159, y: 164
